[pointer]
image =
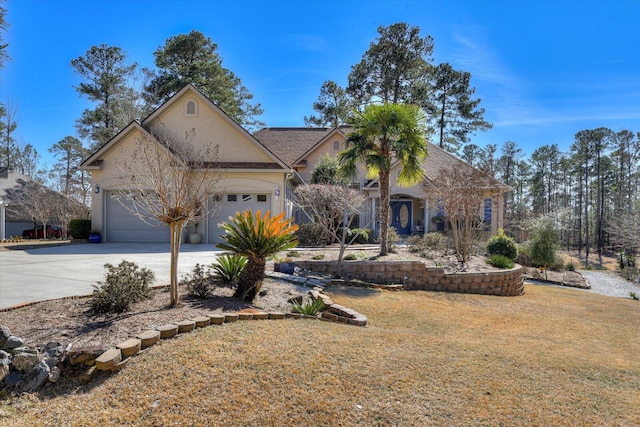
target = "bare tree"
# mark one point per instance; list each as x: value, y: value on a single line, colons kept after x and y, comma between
x: 332, y: 207
x: 68, y: 208
x: 625, y: 231
x: 461, y: 193
x: 167, y: 179
x: 35, y: 201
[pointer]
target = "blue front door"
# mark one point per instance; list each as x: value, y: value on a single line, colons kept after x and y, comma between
x: 401, y: 216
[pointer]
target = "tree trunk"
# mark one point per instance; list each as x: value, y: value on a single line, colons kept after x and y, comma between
x: 176, y: 232
x: 250, y: 280
x: 384, y: 210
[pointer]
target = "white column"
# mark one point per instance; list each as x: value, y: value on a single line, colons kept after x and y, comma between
x: 427, y: 216
x: 3, y: 222
x: 373, y: 215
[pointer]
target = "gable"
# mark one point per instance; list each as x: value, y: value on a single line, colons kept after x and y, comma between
x: 190, y: 117
x: 437, y: 160
x: 190, y: 112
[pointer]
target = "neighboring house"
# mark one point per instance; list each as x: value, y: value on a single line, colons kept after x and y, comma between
x: 253, y: 177
x: 27, y: 201
x: 411, y: 211
x: 16, y: 220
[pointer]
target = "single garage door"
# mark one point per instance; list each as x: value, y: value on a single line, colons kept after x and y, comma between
x: 124, y: 226
x: 228, y: 204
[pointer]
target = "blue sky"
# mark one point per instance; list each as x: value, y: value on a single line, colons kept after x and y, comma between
x: 544, y: 69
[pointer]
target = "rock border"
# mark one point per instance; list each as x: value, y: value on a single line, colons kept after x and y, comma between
x: 25, y: 369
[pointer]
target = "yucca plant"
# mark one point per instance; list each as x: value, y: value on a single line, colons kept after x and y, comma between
x: 256, y: 237
x: 310, y: 309
x: 228, y: 267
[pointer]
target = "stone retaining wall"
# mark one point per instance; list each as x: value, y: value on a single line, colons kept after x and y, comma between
x: 415, y: 275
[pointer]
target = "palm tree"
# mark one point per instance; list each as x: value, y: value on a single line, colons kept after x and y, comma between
x: 256, y: 237
x: 382, y: 135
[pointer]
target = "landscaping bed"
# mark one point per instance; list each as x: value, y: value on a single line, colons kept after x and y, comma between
x: 70, y: 321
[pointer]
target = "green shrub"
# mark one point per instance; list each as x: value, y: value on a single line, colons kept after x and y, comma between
x: 293, y: 254
x: 311, y: 235
x: 500, y: 261
x: 80, y: 228
x: 634, y: 296
x: 350, y: 257
x: 123, y: 285
x: 359, y: 235
x: 199, y: 283
x: 544, y: 242
x: 501, y: 244
x: 631, y: 260
x: 318, y: 257
x: 228, y: 267
x: 570, y: 266
x: 310, y: 309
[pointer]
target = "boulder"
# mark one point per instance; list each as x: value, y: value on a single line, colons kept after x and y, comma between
x: 86, y: 354
x: 13, y: 378
x: 25, y: 361
x: 54, y: 374
x: 33, y: 379
x: 53, y: 353
x: 13, y: 342
x: 4, y: 371
x: 5, y: 333
x: 5, y: 358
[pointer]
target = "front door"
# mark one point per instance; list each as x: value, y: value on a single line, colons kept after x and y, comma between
x: 401, y: 216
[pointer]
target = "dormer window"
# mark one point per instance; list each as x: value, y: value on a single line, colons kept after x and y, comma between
x: 191, y: 108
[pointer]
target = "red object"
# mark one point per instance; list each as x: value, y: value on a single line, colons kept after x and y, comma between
x: 53, y: 232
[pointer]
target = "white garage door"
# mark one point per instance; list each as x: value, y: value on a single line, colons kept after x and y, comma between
x: 124, y: 226
x: 229, y: 204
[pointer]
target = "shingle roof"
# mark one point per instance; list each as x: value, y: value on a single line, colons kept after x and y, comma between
x: 439, y: 159
x: 291, y: 143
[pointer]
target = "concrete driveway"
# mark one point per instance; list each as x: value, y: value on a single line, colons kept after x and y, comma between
x: 61, y: 271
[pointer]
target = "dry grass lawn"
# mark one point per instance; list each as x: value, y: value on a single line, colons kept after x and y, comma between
x: 551, y: 357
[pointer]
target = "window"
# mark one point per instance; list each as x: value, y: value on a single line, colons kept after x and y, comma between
x: 191, y: 108
x: 336, y: 145
x: 232, y: 198
x: 487, y: 214
x: 262, y: 197
x: 247, y: 197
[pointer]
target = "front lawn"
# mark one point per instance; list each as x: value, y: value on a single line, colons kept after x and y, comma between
x: 551, y: 357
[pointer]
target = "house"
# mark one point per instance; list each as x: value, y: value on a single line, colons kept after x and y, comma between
x: 15, y: 219
x: 259, y: 173
x: 252, y: 176
x: 27, y: 203
x: 411, y: 210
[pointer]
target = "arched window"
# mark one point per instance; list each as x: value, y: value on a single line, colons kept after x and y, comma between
x: 191, y: 108
x: 336, y: 145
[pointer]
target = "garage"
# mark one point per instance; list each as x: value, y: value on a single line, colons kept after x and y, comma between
x: 228, y: 204
x: 124, y: 226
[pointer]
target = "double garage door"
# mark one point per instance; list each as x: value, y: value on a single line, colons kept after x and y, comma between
x: 228, y: 204
x: 123, y: 226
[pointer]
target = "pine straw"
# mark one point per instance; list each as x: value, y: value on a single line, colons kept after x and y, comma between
x: 551, y: 357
